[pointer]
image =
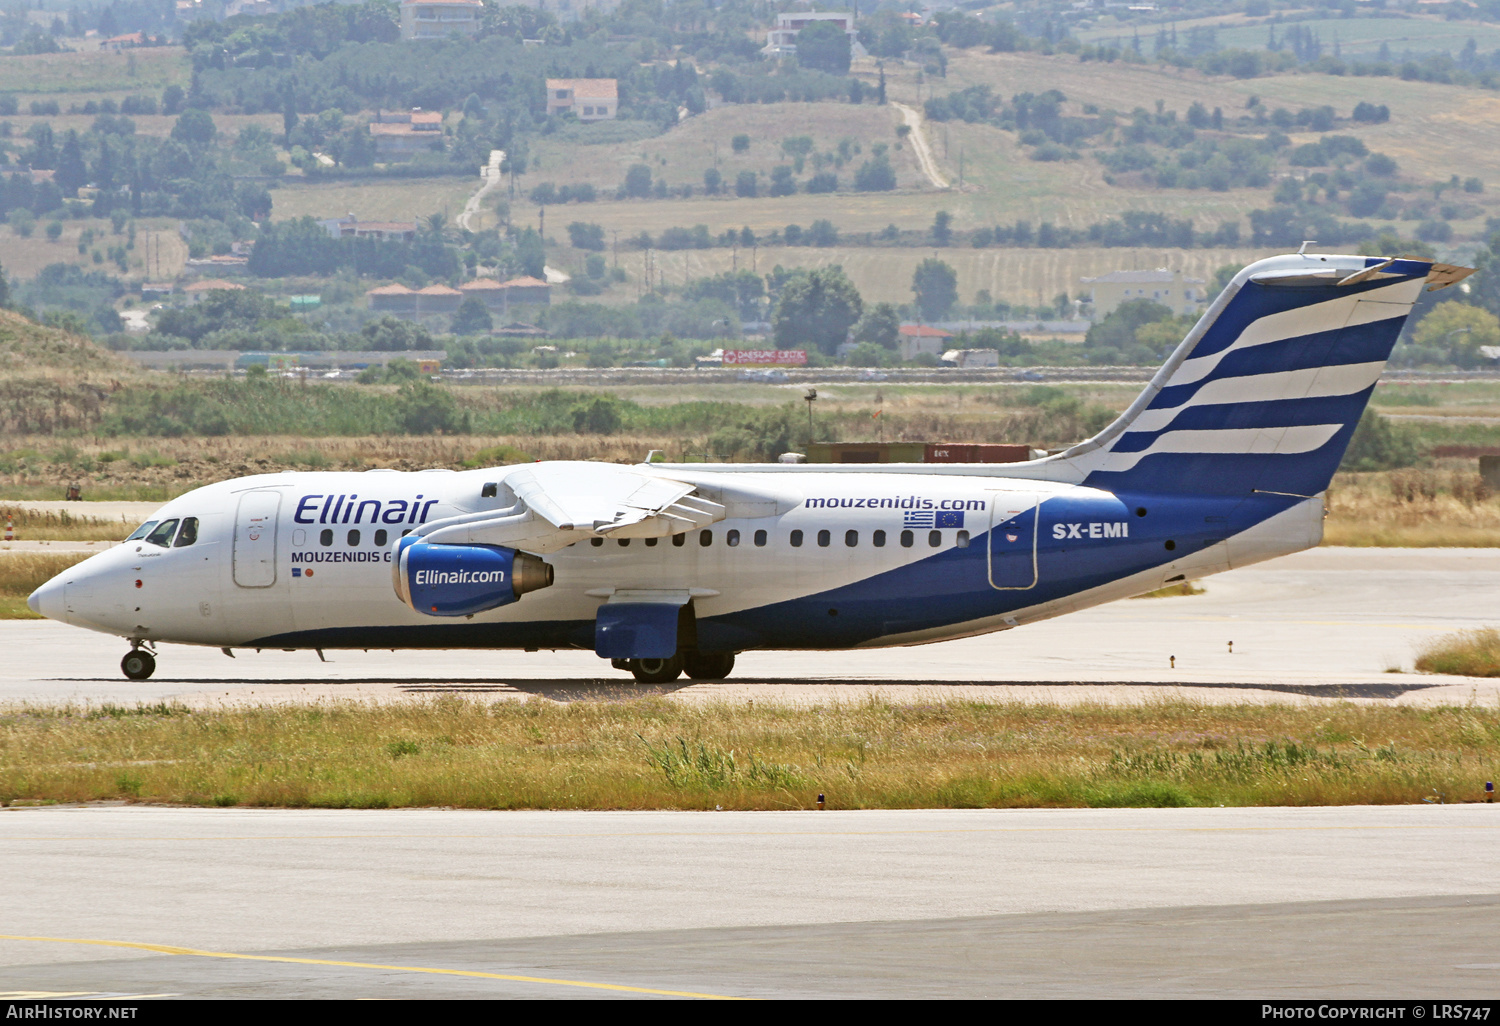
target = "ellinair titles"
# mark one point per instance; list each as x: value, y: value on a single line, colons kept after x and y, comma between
x: 663, y: 569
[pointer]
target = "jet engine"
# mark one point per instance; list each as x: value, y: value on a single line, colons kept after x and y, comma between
x: 461, y: 580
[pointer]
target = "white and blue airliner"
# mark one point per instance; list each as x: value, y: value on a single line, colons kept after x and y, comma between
x: 663, y: 569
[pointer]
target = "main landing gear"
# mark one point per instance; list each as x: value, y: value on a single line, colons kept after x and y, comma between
x: 697, y: 665
x: 138, y: 664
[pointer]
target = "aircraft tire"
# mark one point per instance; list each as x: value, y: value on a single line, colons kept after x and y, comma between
x: 138, y: 664
x: 657, y: 671
x: 708, y: 665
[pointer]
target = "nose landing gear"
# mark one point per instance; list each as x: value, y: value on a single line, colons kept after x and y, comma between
x: 138, y: 664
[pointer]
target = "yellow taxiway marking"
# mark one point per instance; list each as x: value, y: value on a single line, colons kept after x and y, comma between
x: 167, y: 949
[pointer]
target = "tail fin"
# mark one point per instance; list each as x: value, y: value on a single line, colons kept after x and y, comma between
x: 1266, y: 390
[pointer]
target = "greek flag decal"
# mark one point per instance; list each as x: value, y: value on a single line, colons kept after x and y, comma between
x: 934, y: 518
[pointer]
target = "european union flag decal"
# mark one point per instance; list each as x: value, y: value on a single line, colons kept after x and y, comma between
x: 934, y: 518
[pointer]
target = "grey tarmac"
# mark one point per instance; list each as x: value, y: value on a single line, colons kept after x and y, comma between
x: 1327, y: 623
x: 1359, y: 902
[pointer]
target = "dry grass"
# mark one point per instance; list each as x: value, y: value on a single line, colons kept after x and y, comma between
x: 21, y: 573
x: 1173, y: 591
x: 400, y: 199
x: 653, y: 753
x: 1443, y: 506
x: 1467, y: 653
x: 884, y: 274
x: 24, y: 257
x: 95, y: 73
x: 46, y: 525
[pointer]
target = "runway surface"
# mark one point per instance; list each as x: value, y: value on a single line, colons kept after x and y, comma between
x: 1328, y: 622
x: 1263, y: 903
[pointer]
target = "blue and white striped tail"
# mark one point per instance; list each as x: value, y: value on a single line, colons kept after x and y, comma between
x: 1266, y: 390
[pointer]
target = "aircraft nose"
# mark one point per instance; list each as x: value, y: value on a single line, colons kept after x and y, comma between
x: 48, y: 600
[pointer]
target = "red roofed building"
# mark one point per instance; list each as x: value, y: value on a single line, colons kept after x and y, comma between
x: 402, y: 135
x: 914, y: 339
x: 200, y: 289
x: 592, y: 99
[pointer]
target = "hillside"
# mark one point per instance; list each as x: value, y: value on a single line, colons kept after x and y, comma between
x: 28, y: 348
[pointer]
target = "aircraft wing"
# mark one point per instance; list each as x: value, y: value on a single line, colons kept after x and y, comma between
x: 559, y: 504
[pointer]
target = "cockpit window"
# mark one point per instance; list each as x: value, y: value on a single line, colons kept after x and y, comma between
x: 143, y: 530
x: 163, y: 534
x: 188, y: 534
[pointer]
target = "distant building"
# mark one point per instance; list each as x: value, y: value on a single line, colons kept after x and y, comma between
x: 438, y: 19
x: 915, y: 339
x: 402, y: 135
x: 192, y: 10
x: 499, y: 296
x: 126, y: 42
x: 350, y: 226
x: 223, y: 263
x: 592, y: 99
x: 198, y: 290
x: 782, y: 40
x: 1169, y: 288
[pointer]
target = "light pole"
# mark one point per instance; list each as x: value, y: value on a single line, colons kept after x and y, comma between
x: 811, y: 397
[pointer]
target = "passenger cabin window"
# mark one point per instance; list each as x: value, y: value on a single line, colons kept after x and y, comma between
x: 381, y: 536
x: 705, y: 538
x: 796, y: 539
x: 142, y: 531
x: 732, y: 538
x: 651, y: 542
x: 851, y: 538
x: 760, y: 539
x: 907, y: 538
x: 878, y: 539
x: 187, y: 534
x: 824, y: 537
x: 596, y: 542
x: 961, y: 539
x: 325, y: 536
x: 622, y: 542
x: 679, y: 540
x: 353, y: 538
x: 934, y: 538
x: 163, y: 534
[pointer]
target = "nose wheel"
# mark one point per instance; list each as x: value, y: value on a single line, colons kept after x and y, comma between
x: 138, y: 664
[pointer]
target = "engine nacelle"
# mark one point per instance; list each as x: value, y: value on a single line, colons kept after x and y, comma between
x: 461, y: 580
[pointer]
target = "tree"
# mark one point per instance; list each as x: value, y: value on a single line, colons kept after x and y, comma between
x: 740, y: 143
x: 72, y: 173
x: 782, y: 182
x: 393, y: 334
x: 638, y: 181
x: 744, y: 184
x: 195, y: 128
x: 471, y: 318
x: 822, y: 233
x: 875, y: 175
x: 823, y: 46
x: 712, y: 181
x: 942, y: 228
x: 1460, y: 329
x: 881, y: 325
x: 171, y: 99
x: 584, y: 235
x: 936, y: 286
x: 817, y: 309
x: 531, y: 254
x: 4, y: 290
